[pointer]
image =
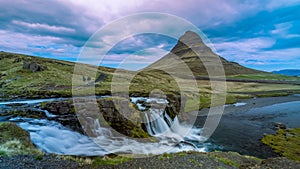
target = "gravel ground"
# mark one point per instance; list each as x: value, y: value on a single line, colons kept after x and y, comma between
x: 30, y: 162
x: 186, y: 161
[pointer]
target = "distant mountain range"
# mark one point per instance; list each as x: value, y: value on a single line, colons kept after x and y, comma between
x: 288, y: 72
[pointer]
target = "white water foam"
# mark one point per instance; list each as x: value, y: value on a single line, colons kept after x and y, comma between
x: 28, y: 101
x: 52, y: 137
x: 239, y: 104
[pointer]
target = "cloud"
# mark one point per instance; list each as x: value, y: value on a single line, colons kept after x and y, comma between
x: 240, y: 29
x: 43, y: 26
x: 45, y: 46
x: 134, y: 61
x: 257, y: 53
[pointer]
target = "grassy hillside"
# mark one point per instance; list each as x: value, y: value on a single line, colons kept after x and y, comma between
x: 56, y: 81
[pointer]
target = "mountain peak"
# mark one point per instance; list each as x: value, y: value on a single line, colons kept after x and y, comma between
x: 187, y: 41
x: 191, y: 50
x: 188, y: 35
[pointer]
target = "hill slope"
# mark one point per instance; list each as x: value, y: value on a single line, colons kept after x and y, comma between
x: 35, y: 77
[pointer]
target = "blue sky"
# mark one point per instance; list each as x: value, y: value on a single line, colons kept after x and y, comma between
x: 258, y: 34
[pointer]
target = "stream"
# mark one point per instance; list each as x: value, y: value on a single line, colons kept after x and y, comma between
x: 240, y: 129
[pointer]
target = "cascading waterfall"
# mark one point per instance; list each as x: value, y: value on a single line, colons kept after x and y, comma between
x: 171, y: 136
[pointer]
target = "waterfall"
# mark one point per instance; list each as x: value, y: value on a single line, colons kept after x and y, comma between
x: 171, y: 136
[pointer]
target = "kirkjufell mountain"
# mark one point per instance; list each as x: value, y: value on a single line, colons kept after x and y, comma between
x: 189, y: 49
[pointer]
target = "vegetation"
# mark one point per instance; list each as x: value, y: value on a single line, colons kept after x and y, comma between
x: 285, y: 142
x: 99, y: 161
x: 55, y: 80
x: 165, y: 156
x: 266, y: 76
x: 15, y: 140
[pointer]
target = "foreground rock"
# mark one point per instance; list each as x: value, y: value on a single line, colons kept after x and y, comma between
x: 14, y: 140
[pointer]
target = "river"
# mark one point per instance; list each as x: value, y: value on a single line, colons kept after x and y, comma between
x: 240, y: 129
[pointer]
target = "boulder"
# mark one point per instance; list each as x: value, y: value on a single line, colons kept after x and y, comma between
x: 59, y: 107
x: 279, y: 125
x: 33, y: 66
x: 17, y: 60
x: 26, y: 65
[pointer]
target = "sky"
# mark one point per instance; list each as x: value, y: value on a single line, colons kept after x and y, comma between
x: 264, y: 35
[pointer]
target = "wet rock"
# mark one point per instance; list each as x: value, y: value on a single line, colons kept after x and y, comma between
x: 59, y: 107
x: 279, y: 125
x: 70, y: 122
x: 65, y: 114
x: 121, y: 122
x: 23, y: 111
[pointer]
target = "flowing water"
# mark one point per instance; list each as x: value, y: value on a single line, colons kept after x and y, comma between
x: 239, y: 132
x: 52, y: 137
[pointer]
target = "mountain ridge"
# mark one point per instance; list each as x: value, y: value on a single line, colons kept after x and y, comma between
x: 288, y: 72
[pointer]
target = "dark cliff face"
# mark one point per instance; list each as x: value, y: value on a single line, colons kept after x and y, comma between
x: 195, y: 54
x: 81, y: 118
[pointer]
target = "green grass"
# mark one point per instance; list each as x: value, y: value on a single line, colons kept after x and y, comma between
x: 38, y: 157
x: 229, y: 162
x: 165, y: 156
x: 285, y: 142
x: 56, y: 80
x: 266, y: 76
x: 98, y: 162
x: 3, y: 153
x: 196, y: 163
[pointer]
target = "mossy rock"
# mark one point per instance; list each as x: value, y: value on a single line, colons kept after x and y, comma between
x: 15, y: 140
x: 285, y: 142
